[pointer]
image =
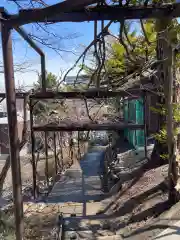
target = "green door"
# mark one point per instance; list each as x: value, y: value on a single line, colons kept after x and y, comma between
x: 133, y: 112
x: 140, y: 120
x: 126, y: 133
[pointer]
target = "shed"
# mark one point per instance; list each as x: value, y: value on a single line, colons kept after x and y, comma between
x: 133, y: 109
x: 133, y: 112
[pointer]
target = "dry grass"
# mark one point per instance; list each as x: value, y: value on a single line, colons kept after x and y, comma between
x: 66, y: 162
x: 40, y: 219
x: 39, y: 222
x: 26, y: 167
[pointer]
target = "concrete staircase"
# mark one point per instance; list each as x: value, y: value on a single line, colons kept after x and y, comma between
x: 80, y: 228
x: 101, y: 235
x: 80, y: 193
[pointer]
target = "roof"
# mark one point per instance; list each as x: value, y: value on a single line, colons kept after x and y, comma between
x: 80, y: 80
x: 144, y: 80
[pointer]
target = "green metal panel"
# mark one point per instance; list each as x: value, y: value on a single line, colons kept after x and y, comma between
x: 140, y: 120
x: 126, y: 110
x: 131, y: 118
x: 132, y: 139
x: 140, y: 137
x: 139, y: 111
x: 126, y: 133
x: 133, y: 112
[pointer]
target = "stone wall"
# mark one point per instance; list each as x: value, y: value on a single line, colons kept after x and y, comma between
x: 109, y: 156
x: 127, y: 163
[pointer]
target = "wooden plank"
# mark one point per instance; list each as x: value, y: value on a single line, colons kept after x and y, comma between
x: 32, y: 43
x: 90, y: 94
x: 14, y: 148
x: 119, y: 13
x: 36, y: 15
x: 97, y: 13
x: 60, y: 227
x: 18, y: 95
x: 87, y: 127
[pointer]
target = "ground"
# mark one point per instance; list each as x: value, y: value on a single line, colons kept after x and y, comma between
x: 140, y: 202
x: 93, y: 214
x: 26, y: 171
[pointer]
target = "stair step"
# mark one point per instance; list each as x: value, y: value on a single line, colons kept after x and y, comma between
x: 89, y: 235
x: 114, y: 237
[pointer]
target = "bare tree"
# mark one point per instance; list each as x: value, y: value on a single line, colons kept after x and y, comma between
x: 44, y: 34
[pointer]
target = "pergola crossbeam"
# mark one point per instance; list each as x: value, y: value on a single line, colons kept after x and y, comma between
x: 95, y: 13
x: 30, y: 15
x: 18, y: 95
x: 87, y: 94
x: 87, y: 127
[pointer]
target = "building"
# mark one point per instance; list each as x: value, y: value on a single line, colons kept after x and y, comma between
x: 70, y: 80
x: 134, y: 113
x: 4, y: 136
x: 133, y: 109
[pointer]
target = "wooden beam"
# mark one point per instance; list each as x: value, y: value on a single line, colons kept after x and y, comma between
x: 90, y: 94
x: 14, y: 149
x: 26, y: 37
x: 37, y: 15
x: 87, y: 127
x: 96, y: 13
x: 119, y: 13
x: 18, y: 95
x: 32, y: 43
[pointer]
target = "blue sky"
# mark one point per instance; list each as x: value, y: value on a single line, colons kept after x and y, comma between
x: 54, y: 62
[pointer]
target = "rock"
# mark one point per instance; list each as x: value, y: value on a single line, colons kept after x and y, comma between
x: 72, y: 235
x: 3, y: 203
x: 106, y: 225
x: 42, y: 206
x: 74, y: 172
x: 73, y: 215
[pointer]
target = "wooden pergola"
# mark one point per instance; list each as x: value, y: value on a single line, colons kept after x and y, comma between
x: 66, y: 11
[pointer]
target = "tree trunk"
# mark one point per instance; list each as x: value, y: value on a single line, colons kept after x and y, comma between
x: 4, y: 172
x: 166, y: 78
x: 156, y: 159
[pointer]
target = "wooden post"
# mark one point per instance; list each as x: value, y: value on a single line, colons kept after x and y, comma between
x: 173, y: 194
x: 145, y: 124
x: 33, y: 149
x: 13, y: 129
x: 165, y: 54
